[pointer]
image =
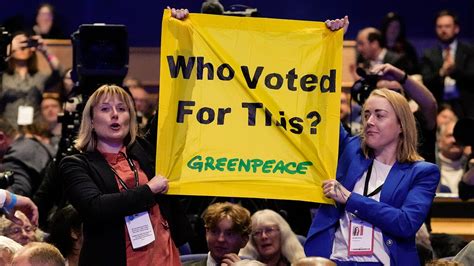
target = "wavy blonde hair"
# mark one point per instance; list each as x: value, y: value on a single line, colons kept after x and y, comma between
x: 87, y: 138
x: 408, y: 138
x: 291, y: 247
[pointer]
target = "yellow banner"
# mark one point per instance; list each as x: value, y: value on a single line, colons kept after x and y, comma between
x: 249, y: 107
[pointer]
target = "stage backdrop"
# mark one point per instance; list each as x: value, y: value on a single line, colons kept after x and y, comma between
x: 249, y: 107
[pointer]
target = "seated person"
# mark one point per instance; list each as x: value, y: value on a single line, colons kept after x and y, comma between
x: 227, y: 231
x: 272, y: 241
x: 23, y: 234
x: 65, y: 233
x: 38, y: 254
x: 451, y: 161
x: 17, y: 156
x: 8, y: 248
x: 51, y: 107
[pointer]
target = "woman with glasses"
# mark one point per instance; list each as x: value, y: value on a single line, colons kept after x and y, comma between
x: 272, y: 241
x: 23, y: 234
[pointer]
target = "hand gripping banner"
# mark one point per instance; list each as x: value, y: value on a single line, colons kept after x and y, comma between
x: 249, y: 107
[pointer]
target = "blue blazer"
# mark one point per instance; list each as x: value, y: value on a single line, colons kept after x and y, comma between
x: 405, y: 200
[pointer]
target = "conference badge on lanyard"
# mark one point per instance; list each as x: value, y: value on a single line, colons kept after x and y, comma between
x: 361, y: 238
x: 140, y: 229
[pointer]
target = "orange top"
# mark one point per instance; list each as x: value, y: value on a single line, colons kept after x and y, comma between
x: 162, y: 251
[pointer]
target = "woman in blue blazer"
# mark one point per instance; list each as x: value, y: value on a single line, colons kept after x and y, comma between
x: 383, y: 190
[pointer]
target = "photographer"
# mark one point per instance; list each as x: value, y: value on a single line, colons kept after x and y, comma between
x: 22, y: 83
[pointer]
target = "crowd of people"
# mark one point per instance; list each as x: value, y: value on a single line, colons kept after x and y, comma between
x: 101, y: 203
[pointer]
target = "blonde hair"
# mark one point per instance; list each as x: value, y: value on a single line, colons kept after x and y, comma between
x: 291, y: 247
x: 41, y: 253
x: 408, y: 138
x: 6, y: 223
x: 87, y: 139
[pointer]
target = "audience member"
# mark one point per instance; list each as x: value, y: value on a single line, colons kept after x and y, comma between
x: 423, y: 245
x: 22, y: 233
x: 394, y: 39
x: 314, y: 261
x: 212, y: 7
x: 272, y: 241
x: 113, y: 180
x: 46, y: 25
x: 445, y: 115
x: 451, y: 161
x: 142, y: 104
x: 372, y: 51
x: 8, y: 248
x: 38, y: 254
x: 386, y: 151
x: 228, y: 227
x: 66, y: 234
x: 466, y: 255
x: 27, y: 166
x: 51, y: 107
x: 445, y: 245
x: 448, y: 68
x: 132, y: 82
x: 22, y: 83
x: 466, y: 186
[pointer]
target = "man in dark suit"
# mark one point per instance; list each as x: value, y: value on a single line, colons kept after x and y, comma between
x: 448, y: 68
x: 228, y: 227
x: 372, y: 53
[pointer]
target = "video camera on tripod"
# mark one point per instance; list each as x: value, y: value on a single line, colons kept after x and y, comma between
x: 100, y: 56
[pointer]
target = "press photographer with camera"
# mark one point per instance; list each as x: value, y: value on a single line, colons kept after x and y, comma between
x: 22, y: 83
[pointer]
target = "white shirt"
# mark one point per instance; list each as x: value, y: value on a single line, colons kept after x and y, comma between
x: 451, y: 172
x: 3, y: 197
x: 379, y: 59
x: 340, y: 246
x: 210, y: 260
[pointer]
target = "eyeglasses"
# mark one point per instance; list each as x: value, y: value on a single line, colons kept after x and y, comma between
x: 18, y: 230
x: 269, y: 231
x: 214, y: 232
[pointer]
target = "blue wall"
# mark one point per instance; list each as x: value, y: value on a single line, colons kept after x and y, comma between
x: 143, y: 18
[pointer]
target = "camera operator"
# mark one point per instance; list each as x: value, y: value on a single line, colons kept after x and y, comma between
x: 22, y: 83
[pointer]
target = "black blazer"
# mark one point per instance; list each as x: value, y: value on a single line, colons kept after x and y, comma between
x: 92, y: 189
x: 463, y: 73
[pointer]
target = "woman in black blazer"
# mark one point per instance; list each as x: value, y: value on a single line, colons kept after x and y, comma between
x: 112, y: 180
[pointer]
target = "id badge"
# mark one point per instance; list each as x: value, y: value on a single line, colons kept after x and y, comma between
x: 361, y: 238
x: 140, y: 229
x: 25, y: 115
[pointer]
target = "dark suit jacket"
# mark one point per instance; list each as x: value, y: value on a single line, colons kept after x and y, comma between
x: 389, y: 58
x: 405, y: 200
x: 92, y: 189
x: 463, y: 73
